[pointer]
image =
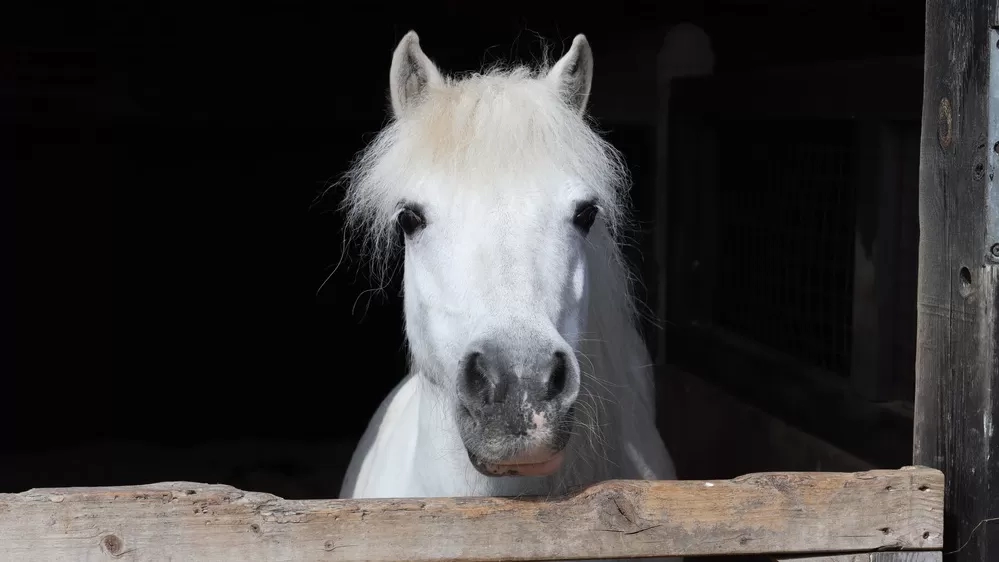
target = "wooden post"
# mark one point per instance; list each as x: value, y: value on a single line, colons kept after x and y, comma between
x: 957, y: 383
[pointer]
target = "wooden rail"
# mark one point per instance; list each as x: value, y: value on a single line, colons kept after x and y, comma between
x: 768, y: 513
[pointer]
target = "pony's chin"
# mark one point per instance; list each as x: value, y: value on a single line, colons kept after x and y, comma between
x: 526, y: 465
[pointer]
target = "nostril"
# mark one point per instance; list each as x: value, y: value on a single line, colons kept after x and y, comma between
x: 479, y: 384
x: 476, y: 382
x: 557, y: 380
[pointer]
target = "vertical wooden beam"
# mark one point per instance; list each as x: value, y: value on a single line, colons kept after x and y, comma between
x: 957, y: 374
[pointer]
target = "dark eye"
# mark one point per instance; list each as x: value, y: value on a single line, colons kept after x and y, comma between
x: 586, y: 213
x: 411, y: 219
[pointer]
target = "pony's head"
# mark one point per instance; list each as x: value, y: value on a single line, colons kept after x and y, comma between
x: 502, y: 196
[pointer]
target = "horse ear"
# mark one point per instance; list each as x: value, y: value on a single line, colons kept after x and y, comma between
x: 573, y: 73
x: 411, y: 73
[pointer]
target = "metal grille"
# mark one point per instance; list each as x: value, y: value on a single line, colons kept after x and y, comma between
x: 786, y: 204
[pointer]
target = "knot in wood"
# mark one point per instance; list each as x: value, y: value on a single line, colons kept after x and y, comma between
x: 112, y: 545
x: 979, y: 169
x: 618, y: 513
x: 945, y: 124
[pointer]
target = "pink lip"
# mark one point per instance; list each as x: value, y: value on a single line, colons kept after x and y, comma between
x: 529, y: 465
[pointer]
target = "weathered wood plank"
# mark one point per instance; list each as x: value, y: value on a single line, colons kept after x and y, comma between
x: 910, y: 556
x: 798, y: 512
x: 957, y: 361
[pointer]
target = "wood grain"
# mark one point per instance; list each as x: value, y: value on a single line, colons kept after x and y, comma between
x: 957, y: 353
x: 764, y: 513
x: 909, y: 556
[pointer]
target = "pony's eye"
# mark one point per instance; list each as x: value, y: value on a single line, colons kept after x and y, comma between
x: 411, y: 219
x: 586, y: 214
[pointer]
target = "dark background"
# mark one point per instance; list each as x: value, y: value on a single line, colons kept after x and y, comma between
x: 166, y: 272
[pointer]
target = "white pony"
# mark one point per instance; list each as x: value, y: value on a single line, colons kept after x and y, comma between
x: 528, y: 374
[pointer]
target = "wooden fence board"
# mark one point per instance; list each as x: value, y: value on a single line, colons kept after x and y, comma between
x: 909, y: 556
x: 800, y: 512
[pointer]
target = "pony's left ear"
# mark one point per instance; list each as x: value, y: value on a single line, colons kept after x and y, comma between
x: 573, y: 73
x: 411, y: 73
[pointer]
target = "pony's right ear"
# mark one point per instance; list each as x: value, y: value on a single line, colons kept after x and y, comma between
x: 412, y: 72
